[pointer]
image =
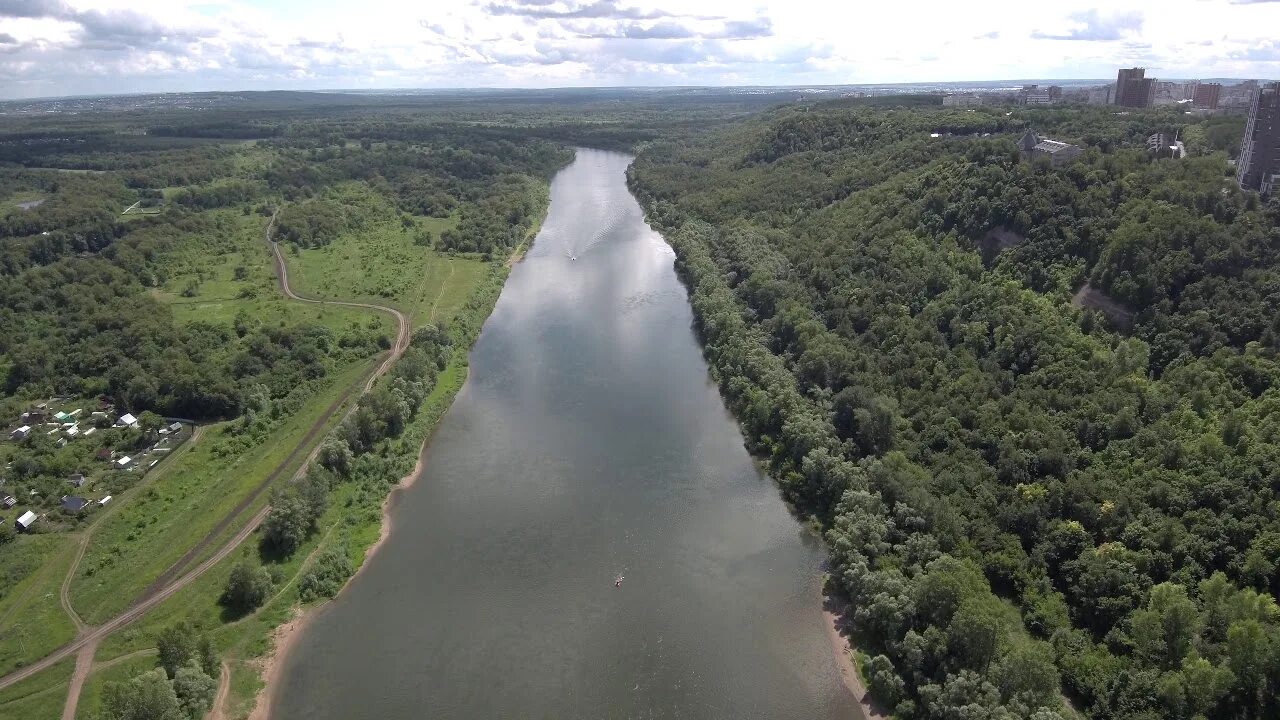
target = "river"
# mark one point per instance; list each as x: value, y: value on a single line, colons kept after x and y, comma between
x: 588, y: 442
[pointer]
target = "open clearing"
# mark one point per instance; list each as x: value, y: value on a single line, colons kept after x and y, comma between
x: 380, y: 263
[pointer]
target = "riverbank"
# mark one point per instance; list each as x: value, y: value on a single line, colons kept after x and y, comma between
x: 284, y: 636
x: 448, y: 384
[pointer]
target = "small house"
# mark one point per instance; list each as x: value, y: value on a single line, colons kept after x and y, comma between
x: 75, y: 412
x: 104, y: 501
x: 25, y: 521
x: 73, y: 503
x: 175, y: 428
x: 21, y: 433
x: 7, y: 502
x: 61, y: 416
x: 62, y: 442
x: 90, y: 431
x: 124, y: 462
x: 73, y: 431
x: 127, y: 420
x: 76, y: 480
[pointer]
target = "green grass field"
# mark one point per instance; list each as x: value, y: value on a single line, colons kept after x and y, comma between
x: 381, y: 264
x: 216, y: 281
x: 39, y: 697
x: 32, y: 622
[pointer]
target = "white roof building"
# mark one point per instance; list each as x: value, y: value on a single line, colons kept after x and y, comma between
x: 26, y: 520
x: 21, y: 432
x: 127, y: 420
x: 104, y: 500
x: 124, y: 462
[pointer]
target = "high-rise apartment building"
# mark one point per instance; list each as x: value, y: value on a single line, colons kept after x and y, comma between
x: 1207, y: 95
x: 1259, y: 165
x: 1134, y: 89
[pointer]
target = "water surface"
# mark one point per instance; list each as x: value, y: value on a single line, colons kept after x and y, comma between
x: 588, y: 443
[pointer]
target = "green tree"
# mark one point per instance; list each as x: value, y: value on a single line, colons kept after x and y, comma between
x: 176, y: 646
x: 885, y: 684
x: 247, y: 587
x: 1162, y: 634
x: 195, y: 690
x: 288, y: 523
x: 150, y: 423
x: 149, y: 696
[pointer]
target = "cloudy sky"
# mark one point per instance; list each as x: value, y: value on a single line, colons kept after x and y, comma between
x: 62, y: 47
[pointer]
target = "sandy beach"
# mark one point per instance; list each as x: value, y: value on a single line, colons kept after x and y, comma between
x: 833, y: 614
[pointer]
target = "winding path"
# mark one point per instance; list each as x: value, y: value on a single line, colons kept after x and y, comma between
x: 90, y: 637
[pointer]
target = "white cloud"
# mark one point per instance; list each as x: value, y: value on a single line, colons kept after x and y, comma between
x: 51, y: 47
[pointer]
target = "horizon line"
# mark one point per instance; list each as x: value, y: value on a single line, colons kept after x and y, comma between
x: 503, y: 88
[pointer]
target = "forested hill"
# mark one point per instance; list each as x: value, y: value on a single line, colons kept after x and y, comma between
x: 1021, y: 498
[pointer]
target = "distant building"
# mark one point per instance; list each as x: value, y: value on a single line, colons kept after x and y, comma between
x: 25, y: 521
x: 20, y: 433
x: 1134, y: 89
x: 1100, y: 95
x: 1161, y: 145
x: 127, y: 420
x: 76, y: 480
x: 73, y: 503
x: 1059, y: 153
x: 124, y: 462
x: 1259, y: 165
x: 1207, y: 95
x: 961, y: 100
x: 1038, y: 97
x: 1239, y: 95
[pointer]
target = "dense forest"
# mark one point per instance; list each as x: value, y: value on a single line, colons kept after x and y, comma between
x: 1024, y: 498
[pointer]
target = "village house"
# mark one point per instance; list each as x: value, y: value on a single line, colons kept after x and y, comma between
x: 21, y: 433
x: 127, y: 420
x: 25, y: 521
x: 7, y: 502
x: 1033, y: 146
x: 73, y: 503
x: 124, y: 462
x: 76, y: 480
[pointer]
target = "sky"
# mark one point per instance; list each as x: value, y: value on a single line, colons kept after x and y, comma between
x: 88, y: 47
